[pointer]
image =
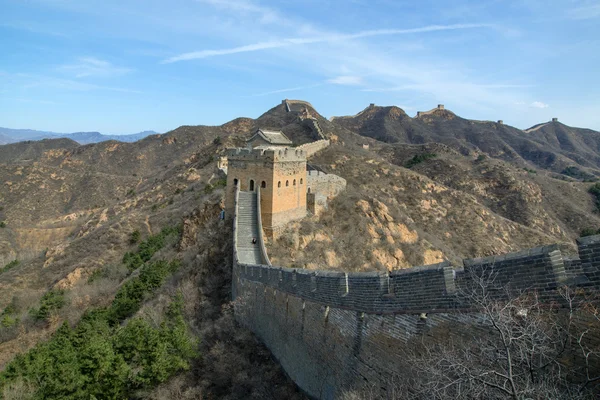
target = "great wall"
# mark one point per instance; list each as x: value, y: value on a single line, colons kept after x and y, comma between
x: 335, y: 331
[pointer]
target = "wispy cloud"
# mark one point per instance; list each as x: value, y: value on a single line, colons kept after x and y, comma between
x: 346, y: 80
x: 292, y: 89
x: 94, y: 67
x: 318, y: 39
x: 539, y: 104
x: 266, y: 15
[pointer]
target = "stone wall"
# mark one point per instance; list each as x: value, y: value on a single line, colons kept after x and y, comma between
x: 296, y: 105
x: 327, y: 184
x: 335, y: 331
x: 313, y: 147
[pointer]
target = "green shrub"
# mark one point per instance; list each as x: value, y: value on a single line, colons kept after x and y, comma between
x: 130, y: 296
x: 2, y: 224
x: 102, y: 358
x: 576, y: 173
x: 10, y: 265
x: 149, y: 247
x: 419, y: 158
x: 7, y: 318
x: 594, y: 190
x: 130, y: 193
x: 589, y: 232
x: 217, y: 140
x: 135, y: 237
x: 481, y: 158
x: 95, y: 360
x: 51, y: 301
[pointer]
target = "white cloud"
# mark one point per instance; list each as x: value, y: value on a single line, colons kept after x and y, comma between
x: 90, y: 66
x: 346, y: 80
x: 317, y: 39
x: 539, y: 104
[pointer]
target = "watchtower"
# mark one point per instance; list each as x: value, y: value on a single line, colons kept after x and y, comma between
x: 279, y: 172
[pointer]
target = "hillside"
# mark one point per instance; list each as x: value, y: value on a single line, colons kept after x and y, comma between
x: 552, y: 146
x: 71, y: 213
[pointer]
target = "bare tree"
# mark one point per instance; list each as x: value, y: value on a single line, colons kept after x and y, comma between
x: 507, y: 346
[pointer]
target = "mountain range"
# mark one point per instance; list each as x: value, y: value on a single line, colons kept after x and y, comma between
x: 420, y: 190
x: 8, y: 135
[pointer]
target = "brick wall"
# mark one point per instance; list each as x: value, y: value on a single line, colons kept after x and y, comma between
x: 327, y: 184
x: 335, y: 331
x: 313, y: 147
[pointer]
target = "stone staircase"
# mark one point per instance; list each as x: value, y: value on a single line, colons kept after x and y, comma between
x: 247, y: 228
x: 313, y: 124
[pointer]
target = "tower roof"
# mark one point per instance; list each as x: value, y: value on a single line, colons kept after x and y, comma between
x: 272, y: 137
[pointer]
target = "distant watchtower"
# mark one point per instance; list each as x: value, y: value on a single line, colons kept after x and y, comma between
x: 279, y: 172
x: 554, y: 119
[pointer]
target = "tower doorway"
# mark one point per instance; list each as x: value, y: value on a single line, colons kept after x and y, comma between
x: 252, y: 185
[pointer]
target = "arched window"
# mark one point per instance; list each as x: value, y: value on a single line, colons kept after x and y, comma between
x: 251, y: 185
x: 263, y: 184
x: 279, y: 184
x: 287, y: 183
x: 294, y: 182
x: 235, y: 182
x: 301, y: 181
x: 308, y: 190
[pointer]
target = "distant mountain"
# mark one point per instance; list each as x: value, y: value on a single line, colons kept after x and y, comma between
x: 552, y: 145
x: 4, y: 139
x: 8, y: 135
x: 96, y: 137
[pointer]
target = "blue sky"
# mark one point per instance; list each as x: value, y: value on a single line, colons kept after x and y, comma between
x: 123, y: 66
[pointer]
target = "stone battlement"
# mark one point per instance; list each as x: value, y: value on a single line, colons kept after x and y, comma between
x: 430, y: 288
x: 438, y: 108
x: 296, y: 105
x: 314, y: 147
x: 271, y: 154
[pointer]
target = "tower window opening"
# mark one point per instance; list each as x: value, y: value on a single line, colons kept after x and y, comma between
x: 235, y: 182
x: 294, y: 183
x: 263, y: 184
x: 287, y: 183
x: 301, y: 181
x: 252, y: 185
x: 279, y: 184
